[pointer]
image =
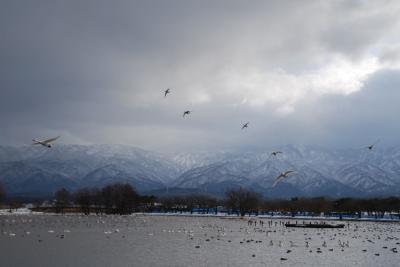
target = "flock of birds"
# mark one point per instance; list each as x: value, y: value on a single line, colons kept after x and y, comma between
x: 205, y: 234
x: 285, y: 174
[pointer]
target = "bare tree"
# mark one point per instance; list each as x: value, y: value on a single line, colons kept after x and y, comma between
x: 97, y: 199
x: 125, y: 198
x: 63, y: 199
x: 119, y: 197
x: 107, y: 197
x: 83, y: 199
x: 2, y: 193
x: 242, y: 201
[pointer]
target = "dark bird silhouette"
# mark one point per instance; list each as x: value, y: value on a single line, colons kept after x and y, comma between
x: 166, y: 92
x: 246, y: 125
x: 281, y: 176
x: 370, y: 147
x: 187, y: 112
x: 275, y: 153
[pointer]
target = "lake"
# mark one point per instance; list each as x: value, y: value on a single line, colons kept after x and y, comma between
x: 143, y: 240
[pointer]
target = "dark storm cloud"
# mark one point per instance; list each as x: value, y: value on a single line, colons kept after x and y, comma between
x: 94, y: 71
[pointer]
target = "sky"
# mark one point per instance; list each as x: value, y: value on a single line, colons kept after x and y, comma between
x: 300, y: 72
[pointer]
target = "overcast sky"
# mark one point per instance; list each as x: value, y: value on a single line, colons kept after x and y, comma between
x: 301, y: 72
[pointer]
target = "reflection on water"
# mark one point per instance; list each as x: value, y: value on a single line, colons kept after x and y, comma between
x: 139, y: 240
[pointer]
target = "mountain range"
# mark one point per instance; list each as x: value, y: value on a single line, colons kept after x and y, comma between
x: 39, y: 171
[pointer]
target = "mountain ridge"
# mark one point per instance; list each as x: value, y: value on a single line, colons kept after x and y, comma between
x: 320, y: 171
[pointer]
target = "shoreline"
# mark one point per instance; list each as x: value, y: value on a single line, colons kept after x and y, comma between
x: 24, y: 211
x: 278, y: 217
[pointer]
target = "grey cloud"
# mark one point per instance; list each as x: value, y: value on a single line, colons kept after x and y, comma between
x: 362, y: 117
x: 94, y: 71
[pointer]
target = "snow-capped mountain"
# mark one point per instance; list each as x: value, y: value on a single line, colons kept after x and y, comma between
x: 36, y: 170
x: 31, y: 170
x: 215, y: 178
x: 319, y: 172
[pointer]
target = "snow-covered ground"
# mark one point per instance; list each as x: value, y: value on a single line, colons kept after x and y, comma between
x: 20, y: 211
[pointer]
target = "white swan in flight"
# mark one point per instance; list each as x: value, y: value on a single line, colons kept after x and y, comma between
x: 46, y: 143
x: 281, y: 176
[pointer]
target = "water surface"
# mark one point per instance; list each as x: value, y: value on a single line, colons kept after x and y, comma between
x: 140, y: 240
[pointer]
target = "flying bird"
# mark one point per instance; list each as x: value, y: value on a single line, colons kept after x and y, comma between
x: 246, y: 125
x: 281, y: 176
x: 187, y: 112
x: 166, y: 92
x: 370, y: 147
x: 275, y: 153
x: 46, y: 143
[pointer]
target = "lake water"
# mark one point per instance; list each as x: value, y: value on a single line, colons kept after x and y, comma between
x: 140, y: 240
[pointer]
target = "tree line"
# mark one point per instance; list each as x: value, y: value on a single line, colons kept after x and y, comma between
x: 115, y: 198
x: 242, y: 201
x: 119, y: 198
x: 123, y: 199
x: 353, y: 207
